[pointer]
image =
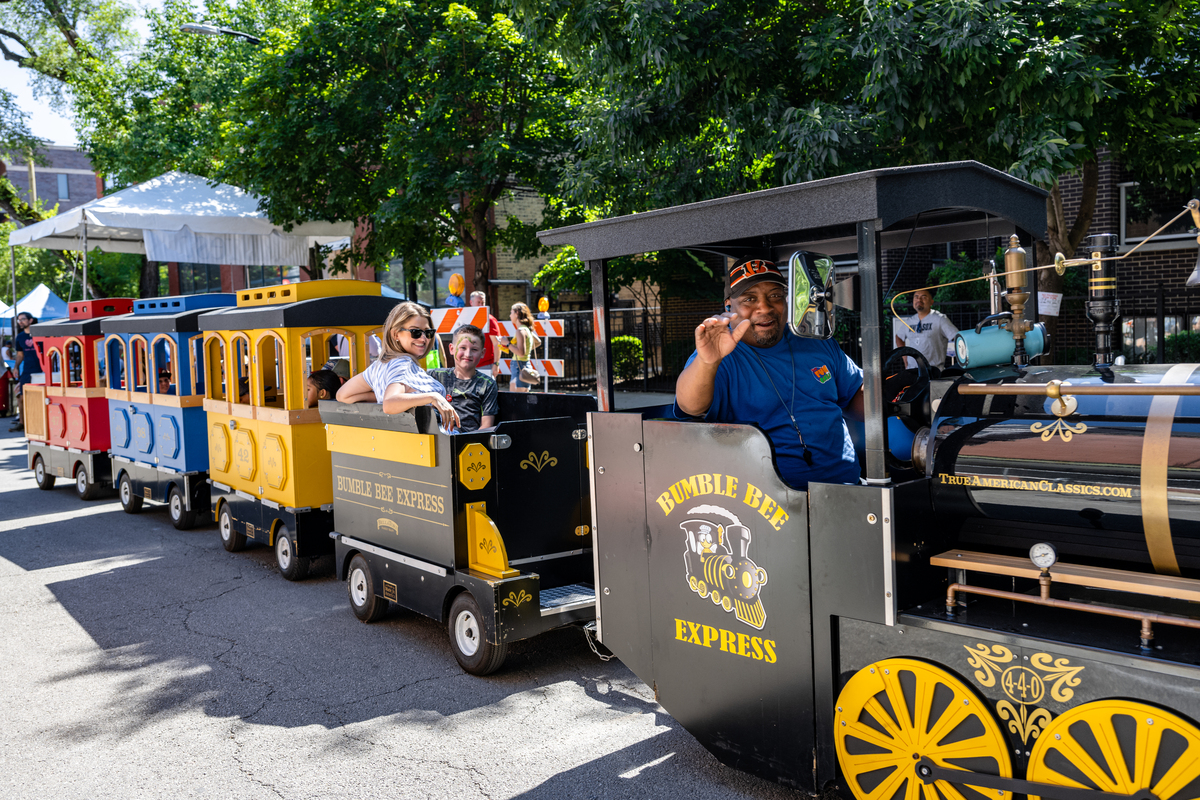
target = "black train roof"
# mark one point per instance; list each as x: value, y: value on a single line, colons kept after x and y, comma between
x: 955, y: 201
x: 340, y: 311
x: 68, y: 327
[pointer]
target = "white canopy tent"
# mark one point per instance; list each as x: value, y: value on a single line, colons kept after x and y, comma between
x: 180, y: 217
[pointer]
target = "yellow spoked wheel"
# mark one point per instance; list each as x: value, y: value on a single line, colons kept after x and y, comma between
x: 1119, y: 746
x: 895, y: 712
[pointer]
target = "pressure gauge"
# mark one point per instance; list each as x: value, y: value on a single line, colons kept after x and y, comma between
x: 1043, y: 555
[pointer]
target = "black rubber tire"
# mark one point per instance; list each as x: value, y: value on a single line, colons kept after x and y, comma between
x: 83, y: 489
x: 131, y: 503
x: 181, y: 518
x: 231, y: 539
x: 291, y: 566
x: 45, y: 480
x: 467, y: 633
x: 360, y: 585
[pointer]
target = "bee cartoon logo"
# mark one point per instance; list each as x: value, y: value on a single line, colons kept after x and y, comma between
x: 718, y: 565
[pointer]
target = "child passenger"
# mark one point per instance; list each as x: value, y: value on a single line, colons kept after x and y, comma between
x: 396, y: 378
x: 323, y: 384
x: 472, y: 393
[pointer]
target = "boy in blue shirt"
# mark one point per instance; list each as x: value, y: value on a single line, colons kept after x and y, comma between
x: 759, y: 372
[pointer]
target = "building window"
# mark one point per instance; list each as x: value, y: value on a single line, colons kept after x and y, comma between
x: 265, y: 276
x: 64, y: 188
x: 199, y: 278
x: 1140, y: 338
x: 1145, y: 209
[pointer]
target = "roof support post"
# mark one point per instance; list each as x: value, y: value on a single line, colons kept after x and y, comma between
x: 872, y: 351
x: 600, y: 309
x: 85, y: 254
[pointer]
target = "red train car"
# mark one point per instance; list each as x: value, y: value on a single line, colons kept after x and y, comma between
x: 66, y: 414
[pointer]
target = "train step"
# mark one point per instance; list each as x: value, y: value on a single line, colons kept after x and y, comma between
x: 567, y: 598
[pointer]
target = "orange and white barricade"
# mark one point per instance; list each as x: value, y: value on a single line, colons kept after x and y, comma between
x: 546, y: 367
x: 445, y: 320
x: 544, y: 328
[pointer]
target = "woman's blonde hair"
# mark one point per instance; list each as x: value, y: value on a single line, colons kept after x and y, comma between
x: 399, y: 317
x: 524, y: 315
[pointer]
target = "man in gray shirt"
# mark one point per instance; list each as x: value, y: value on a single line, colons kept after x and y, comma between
x: 927, y: 330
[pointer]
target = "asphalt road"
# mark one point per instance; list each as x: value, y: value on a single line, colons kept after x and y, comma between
x: 143, y: 662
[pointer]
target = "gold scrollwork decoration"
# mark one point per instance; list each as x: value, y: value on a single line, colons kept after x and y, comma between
x: 487, y: 546
x: 539, y: 462
x: 515, y: 599
x: 1060, y: 674
x: 1065, y: 430
x: 987, y: 661
x: 1023, y: 723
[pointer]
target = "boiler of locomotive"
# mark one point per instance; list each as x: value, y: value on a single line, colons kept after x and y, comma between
x: 1110, y: 479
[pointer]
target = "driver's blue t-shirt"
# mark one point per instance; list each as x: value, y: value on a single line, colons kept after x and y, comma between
x: 826, y: 381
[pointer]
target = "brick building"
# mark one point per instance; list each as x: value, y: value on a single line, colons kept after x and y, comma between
x: 66, y: 180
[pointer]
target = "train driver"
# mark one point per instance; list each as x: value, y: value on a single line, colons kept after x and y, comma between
x: 750, y: 368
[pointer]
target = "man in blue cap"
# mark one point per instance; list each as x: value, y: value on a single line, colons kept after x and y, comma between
x: 749, y: 368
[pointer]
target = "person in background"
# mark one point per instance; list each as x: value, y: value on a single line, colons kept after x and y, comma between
x: 521, y: 345
x: 164, y: 382
x: 396, y: 379
x: 927, y: 330
x: 472, y: 393
x: 27, y: 361
x: 490, y: 332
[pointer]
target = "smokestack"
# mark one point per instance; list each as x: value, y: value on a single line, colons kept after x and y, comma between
x: 1103, y: 308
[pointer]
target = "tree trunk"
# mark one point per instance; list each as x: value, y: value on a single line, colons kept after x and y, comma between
x: 1064, y: 239
x: 148, y: 281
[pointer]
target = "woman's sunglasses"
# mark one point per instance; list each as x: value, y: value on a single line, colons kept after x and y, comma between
x: 419, y: 333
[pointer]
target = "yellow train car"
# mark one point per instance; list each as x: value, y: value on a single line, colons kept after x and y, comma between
x: 268, y: 460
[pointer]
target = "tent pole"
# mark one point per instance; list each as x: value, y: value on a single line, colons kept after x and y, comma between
x: 12, y: 255
x: 85, y: 256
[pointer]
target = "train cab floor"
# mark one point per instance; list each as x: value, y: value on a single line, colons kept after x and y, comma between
x: 1171, y: 643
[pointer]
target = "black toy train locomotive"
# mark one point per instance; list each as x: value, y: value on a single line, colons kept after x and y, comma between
x: 917, y: 634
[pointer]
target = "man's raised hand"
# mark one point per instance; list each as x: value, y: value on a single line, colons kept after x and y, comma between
x: 714, y: 339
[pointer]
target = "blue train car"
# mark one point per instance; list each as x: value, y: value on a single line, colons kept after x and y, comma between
x: 155, y: 389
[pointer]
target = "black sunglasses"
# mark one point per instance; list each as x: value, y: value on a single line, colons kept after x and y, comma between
x: 420, y: 333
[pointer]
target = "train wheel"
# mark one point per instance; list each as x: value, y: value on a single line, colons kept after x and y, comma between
x: 475, y: 654
x: 365, y: 604
x: 130, y: 501
x: 181, y: 518
x: 897, y: 711
x: 83, y: 488
x: 230, y: 538
x: 291, y: 566
x: 44, y: 479
x: 1119, y: 746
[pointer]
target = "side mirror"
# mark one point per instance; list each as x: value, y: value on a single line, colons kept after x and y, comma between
x: 810, y: 295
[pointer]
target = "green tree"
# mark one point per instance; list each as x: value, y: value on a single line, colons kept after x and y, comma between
x: 412, y: 117
x: 162, y: 108
x: 686, y: 99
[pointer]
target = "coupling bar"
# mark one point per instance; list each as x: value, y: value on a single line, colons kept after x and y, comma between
x: 928, y: 772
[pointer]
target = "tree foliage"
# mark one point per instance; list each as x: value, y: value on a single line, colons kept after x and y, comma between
x: 162, y: 108
x: 412, y: 116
